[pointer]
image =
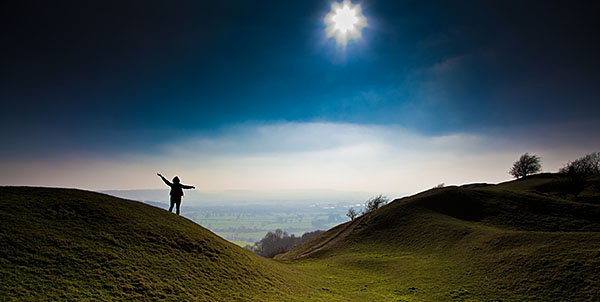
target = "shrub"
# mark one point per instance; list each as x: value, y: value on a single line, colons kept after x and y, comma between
x: 587, y: 165
x: 375, y: 203
x: 352, y: 213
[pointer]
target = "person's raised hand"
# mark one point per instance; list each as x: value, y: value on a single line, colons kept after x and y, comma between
x: 159, y: 174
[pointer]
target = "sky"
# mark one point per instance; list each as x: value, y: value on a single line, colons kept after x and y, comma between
x: 253, y: 95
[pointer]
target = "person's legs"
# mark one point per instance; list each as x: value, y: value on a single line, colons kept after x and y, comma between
x: 173, y: 201
x: 178, y: 203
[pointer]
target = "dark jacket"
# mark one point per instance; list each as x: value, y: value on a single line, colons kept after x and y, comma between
x: 176, y: 188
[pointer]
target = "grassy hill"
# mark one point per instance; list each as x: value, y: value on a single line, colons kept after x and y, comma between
x: 525, y: 240
x: 72, y: 245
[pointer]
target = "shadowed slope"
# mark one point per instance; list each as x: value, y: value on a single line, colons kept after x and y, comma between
x: 76, y: 245
x: 521, y: 240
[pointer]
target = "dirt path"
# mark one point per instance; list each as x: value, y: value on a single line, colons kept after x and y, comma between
x: 334, y: 239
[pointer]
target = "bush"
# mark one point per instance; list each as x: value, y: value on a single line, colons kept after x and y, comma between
x: 352, y: 213
x: 577, y: 170
x: 587, y: 165
x: 526, y: 165
x: 375, y: 203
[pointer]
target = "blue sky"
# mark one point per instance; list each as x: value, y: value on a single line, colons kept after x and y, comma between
x: 100, y: 95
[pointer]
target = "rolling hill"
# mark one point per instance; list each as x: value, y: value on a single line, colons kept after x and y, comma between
x: 72, y: 245
x: 524, y: 240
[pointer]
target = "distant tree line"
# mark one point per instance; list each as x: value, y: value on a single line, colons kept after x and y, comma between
x: 279, y: 242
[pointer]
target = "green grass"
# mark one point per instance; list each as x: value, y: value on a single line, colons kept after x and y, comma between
x: 526, y: 240
x: 59, y: 244
x: 517, y: 241
x: 375, y: 275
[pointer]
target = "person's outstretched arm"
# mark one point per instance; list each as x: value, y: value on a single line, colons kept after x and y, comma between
x: 165, y: 180
x: 187, y: 187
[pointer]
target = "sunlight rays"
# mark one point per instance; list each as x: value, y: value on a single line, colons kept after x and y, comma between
x: 345, y: 22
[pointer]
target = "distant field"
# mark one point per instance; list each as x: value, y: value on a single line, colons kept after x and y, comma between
x: 239, y: 243
x: 248, y: 224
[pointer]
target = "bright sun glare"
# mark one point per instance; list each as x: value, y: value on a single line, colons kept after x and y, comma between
x: 345, y: 21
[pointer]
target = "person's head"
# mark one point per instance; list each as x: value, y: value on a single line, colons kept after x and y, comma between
x: 176, y: 179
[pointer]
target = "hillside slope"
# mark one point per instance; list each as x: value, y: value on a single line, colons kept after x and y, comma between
x: 525, y: 240
x: 63, y: 244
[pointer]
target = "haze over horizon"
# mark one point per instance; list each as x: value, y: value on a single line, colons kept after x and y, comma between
x: 255, y: 96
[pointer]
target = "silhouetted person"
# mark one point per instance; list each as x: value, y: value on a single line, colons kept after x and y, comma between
x: 176, y: 191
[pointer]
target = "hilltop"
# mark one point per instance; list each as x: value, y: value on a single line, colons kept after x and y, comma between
x: 65, y: 244
x: 523, y: 240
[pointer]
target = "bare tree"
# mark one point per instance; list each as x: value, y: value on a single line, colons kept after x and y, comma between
x: 576, y: 172
x: 352, y: 213
x: 526, y: 165
x: 375, y: 203
x: 587, y: 165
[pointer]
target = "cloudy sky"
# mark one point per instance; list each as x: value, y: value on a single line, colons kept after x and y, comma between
x: 253, y: 95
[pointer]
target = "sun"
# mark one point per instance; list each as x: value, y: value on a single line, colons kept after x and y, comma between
x: 345, y: 22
